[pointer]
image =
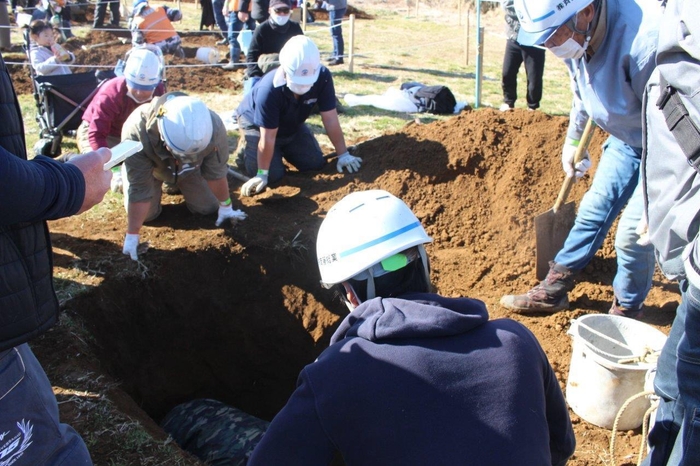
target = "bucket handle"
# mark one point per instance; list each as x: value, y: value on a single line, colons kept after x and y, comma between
x: 626, y: 359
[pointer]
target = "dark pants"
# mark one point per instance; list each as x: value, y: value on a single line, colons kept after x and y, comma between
x: 218, y: 6
x: 235, y: 26
x: 101, y: 12
x: 514, y: 56
x: 32, y: 433
x: 336, y: 19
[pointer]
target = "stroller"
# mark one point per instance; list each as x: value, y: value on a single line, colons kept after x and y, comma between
x: 61, y: 101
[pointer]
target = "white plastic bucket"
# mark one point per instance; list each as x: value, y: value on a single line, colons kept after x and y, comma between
x: 600, y: 381
x: 208, y: 55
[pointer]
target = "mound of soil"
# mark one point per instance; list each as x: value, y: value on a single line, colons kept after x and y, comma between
x: 235, y: 313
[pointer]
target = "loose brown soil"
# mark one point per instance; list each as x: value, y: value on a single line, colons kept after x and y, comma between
x: 235, y: 313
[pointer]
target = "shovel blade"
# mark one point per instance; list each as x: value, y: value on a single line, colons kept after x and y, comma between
x: 551, y: 230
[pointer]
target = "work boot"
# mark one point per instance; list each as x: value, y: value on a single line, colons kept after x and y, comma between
x: 223, y: 41
x: 618, y: 310
x: 336, y: 61
x: 551, y: 295
x: 232, y: 65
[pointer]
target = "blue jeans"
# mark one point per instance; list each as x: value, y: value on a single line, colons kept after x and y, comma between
x: 235, y: 26
x: 614, y: 185
x: 218, y: 7
x: 675, y: 438
x: 301, y: 150
x: 336, y: 19
x: 32, y: 433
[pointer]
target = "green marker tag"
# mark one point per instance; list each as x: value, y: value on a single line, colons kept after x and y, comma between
x: 395, y: 262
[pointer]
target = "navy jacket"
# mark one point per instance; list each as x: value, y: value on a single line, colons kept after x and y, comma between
x: 424, y: 380
x: 30, y: 193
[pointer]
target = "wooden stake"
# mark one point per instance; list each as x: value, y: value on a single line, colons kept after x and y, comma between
x: 351, y: 57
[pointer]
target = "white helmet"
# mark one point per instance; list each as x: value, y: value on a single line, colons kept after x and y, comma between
x: 300, y: 60
x: 142, y: 70
x: 362, y: 233
x: 185, y: 125
x: 540, y: 18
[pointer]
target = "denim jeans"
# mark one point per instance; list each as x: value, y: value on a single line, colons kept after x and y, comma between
x: 615, y: 184
x: 235, y: 26
x: 29, y: 422
x: 336, y: 19
x: 675, y: 438
x: 218, y: 7
x: 301, y: 150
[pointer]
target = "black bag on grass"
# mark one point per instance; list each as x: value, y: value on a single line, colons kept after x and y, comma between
x: 436, y: 99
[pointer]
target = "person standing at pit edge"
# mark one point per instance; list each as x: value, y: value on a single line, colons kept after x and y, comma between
x: 336, y: 11
x: 185, y: 145
x: 32, y: 192
x: 272, y: 118
x: 671, y: 180
x: 412, y: 377
x: 609, y: 48
x: 515, y: 55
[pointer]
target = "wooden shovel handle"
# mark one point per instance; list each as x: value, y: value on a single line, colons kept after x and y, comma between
x: 578, y: 156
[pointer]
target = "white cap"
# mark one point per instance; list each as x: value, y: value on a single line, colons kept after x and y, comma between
x: 185, y: 125
x: 300, y: 60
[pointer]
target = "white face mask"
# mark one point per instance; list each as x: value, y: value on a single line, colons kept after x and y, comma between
x: 279, y: 20
x: 299, y: 89
x: 128, y: 92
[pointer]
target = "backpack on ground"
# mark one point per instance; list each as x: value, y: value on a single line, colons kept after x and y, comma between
x: 436, y: 99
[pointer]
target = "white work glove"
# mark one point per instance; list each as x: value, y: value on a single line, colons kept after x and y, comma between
x: 131, y: 245
x: 643, y: 231
x: 350, y: 162
x: 255, y: 185
x: 226, y: 212
x: 567, y: 159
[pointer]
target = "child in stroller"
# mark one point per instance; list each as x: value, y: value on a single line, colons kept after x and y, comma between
x: 46, y: 55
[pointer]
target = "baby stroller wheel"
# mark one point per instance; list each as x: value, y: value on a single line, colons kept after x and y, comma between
x: 48, y: 146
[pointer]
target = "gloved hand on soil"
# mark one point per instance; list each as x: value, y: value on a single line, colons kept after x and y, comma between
x: 350, y: 162
x: 227, y: 213
x: 567, y: 159
x: 131, y: 246
x: 255, y: 185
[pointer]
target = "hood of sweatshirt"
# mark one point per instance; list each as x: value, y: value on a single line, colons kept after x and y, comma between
x: 413, y: 315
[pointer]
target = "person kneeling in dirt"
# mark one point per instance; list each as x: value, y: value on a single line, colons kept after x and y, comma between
x: 215, y: 433
x: 185, y: 144
x: 153, y: 25
x: 115, y: 100
x: 272, y: 118
x: 412, y: 377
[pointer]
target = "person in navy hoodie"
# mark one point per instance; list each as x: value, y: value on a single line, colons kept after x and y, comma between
x: 412, y: 377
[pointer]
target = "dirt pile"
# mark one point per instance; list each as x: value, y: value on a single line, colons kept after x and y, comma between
x: 234, y: 314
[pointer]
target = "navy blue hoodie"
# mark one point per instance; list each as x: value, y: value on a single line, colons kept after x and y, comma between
x: 424, y: 380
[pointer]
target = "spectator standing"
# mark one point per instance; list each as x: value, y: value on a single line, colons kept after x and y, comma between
x: 184, y: 144
x: 412, y: 377
x: 272, y: 118
x: 238, y: 12
x: 32, y: 192
x: 101, y: 12
x: 608, y: 47
x: 336, y: 12
x: 268, y: 39
x: 220, y: 18
x: 671, y: 177
x: 515, y: 55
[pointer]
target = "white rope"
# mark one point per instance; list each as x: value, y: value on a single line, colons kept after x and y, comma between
x: 645, y: 424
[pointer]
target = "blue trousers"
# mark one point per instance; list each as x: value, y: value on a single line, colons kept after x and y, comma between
x: 235, y: 26
x: 336, y: 20
x: 218, y: 7
x: 675, y: 438
x: 32, y: 433
x: 615, y: 185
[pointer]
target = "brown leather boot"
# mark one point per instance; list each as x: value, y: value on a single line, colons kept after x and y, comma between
x: 550, y: 296
x: 618, y: 310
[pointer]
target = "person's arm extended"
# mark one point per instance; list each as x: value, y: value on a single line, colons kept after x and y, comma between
x: 44, y: 189
x: 331, y: 123
x: 296, y: 436
x: 220, y: 188
x: 266, y: 147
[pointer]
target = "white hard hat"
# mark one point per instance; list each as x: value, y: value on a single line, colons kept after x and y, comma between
x: 362, y: 230
x: 142, y: 70
x: 300, y: 60
x: 185, y: 125
x: 539, y: 19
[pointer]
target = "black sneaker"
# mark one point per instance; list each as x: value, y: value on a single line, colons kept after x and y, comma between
x: 336, y: 61
x: 223, y: 41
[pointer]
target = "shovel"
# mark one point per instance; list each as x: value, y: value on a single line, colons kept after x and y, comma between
x: 553, y: 226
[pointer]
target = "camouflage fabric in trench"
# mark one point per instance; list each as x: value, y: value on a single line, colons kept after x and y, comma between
x: 218, y: 434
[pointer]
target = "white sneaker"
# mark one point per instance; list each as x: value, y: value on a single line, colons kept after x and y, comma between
x: 505, y: 107
x: 116, y: 185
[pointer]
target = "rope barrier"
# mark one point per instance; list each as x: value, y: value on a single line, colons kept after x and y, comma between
x: 645, y: 424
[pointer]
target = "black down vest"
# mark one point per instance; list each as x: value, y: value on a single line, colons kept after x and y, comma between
x: 28, y: 304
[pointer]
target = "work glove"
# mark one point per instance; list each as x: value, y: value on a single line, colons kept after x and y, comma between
x: 227, y: 213
x: 255, y: 185
x: 567, y: 159
x: 350, y: 162
x: 131, y: 245
x: 643, y: 231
